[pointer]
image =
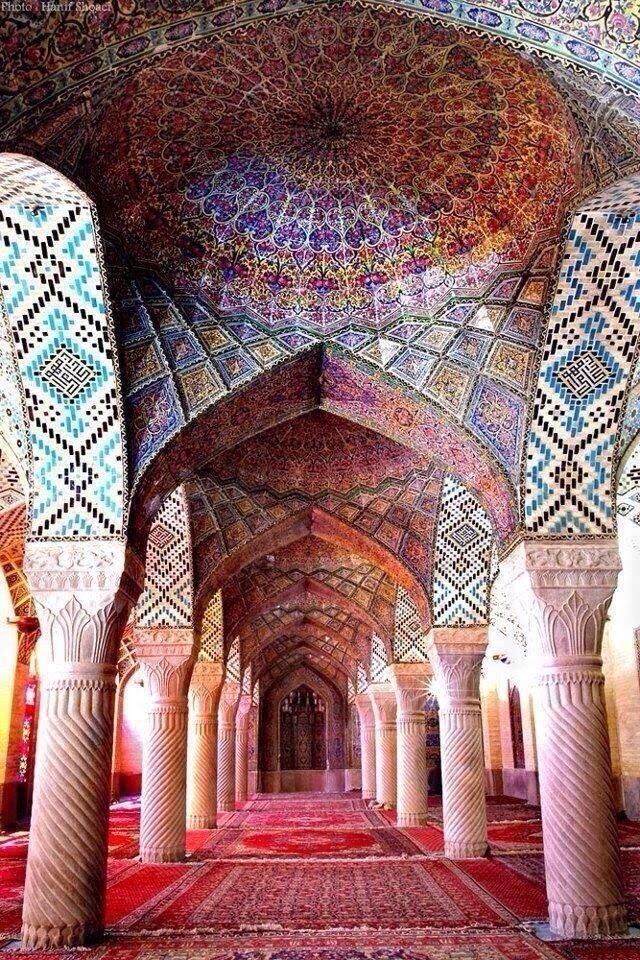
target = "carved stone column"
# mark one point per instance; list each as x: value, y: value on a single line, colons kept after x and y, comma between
x: 166, y: 657
x: 459, y: 655
x: 202, y: 745
x: 367, y: 745
x: 410, y: 682
x: 227, y: 746
x: 242, y: 747
x: 83, y: 593
x: 383, y: 700
x: 569, y: 586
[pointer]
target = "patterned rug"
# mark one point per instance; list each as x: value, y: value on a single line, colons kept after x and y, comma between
x: 401, y: 945
x: 326, y: 878
x: 316, y: 895
x: 306, y: 842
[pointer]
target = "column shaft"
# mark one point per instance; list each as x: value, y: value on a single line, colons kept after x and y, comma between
x: 227, y: 747
x: 166, y: 658
x: 82, y: 592
x: 459, y: 654
x: 410, y: 684
x: 384, y: 709
x: 164, y: 782
x: 367, y: 745
x: 566, y: 589
x: 202, y: 746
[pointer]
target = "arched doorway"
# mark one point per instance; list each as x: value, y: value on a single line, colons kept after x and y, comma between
x: 303, y: 730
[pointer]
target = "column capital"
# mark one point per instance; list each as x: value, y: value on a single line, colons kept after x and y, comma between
x: 410, y: 682
x: 364, y: 708
x: 458, y: 656
x: 383, y: 700
x: 244, y: 706
x: 229, y: 698
x: 166, y: 656
x: 568, y: 587
x: 83, y: 592
x: 205, y: 687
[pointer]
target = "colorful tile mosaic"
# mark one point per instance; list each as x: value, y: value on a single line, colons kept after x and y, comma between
x: 588, y: 357
x: 464, y: 543
x: 167, y: 597
x: 54, y: 302
x: 212, y: 630
x: 48, y: 65
x: 409, y: 636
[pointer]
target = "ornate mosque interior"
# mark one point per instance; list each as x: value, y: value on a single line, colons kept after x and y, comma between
x: 320, y: 479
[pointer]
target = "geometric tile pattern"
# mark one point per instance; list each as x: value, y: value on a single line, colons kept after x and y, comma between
x: 379, y: 659
x: 309, y: 562
x: 53, y: 293
x: 409, y: 638
x: 396, y: 515
x: 167, y: 598
x: 464, y: 543
x: 362, y: 681
x: 219, y: 356
x: 587, y: 360
x: 234, y: 670
x: 212, y: 633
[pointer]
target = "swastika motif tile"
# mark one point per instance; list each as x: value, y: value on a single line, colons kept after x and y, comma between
x: 462, y: 562
x: 587, y: 360
x: 53, y: 294
x: 167, y: 597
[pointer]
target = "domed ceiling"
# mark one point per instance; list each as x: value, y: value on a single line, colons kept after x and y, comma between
x: 332, y: 169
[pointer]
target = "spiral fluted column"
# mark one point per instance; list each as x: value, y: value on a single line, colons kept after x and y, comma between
x: 83, y: 593
x: 242, y: 747
x: 166, y: 657
x: 367, y: 745
x: 459, y: 655
x: 383, y: 701
x: 202, y: 745
x: 227, y: 746
x: 568, y: 588
x: 410, y: 681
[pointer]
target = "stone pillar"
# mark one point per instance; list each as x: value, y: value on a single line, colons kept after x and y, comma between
x: 166, y: 657
x: 383, y: 701
x: 227, y: 746
x: 202, y: 745
x: 367, y: 745
x: 83, y: 592
x: 410, y: 682
x: 569, y: 586
x: 242, y: 747
x: 459, y: 655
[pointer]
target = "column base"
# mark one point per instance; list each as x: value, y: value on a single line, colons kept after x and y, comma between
x: 201, y: 823
x: 227, y: 806
x: 161, y: 854
x: 54, y: 938
x: 368, y: 794
x: 459, y: 850
x: 582, y: 923
x: 411, y: 819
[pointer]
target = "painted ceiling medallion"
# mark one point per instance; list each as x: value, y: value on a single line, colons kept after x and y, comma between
x: 335, y: 169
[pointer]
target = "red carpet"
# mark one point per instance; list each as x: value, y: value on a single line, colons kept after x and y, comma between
x: 363, y: 945
x: 326, y: 878
x: 304, y: 842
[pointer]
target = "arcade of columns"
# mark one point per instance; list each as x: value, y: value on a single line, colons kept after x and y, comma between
x: 510, y: 398
x: 195, y: 750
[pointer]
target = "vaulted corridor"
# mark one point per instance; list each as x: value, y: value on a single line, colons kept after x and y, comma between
x: 322, y: 876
